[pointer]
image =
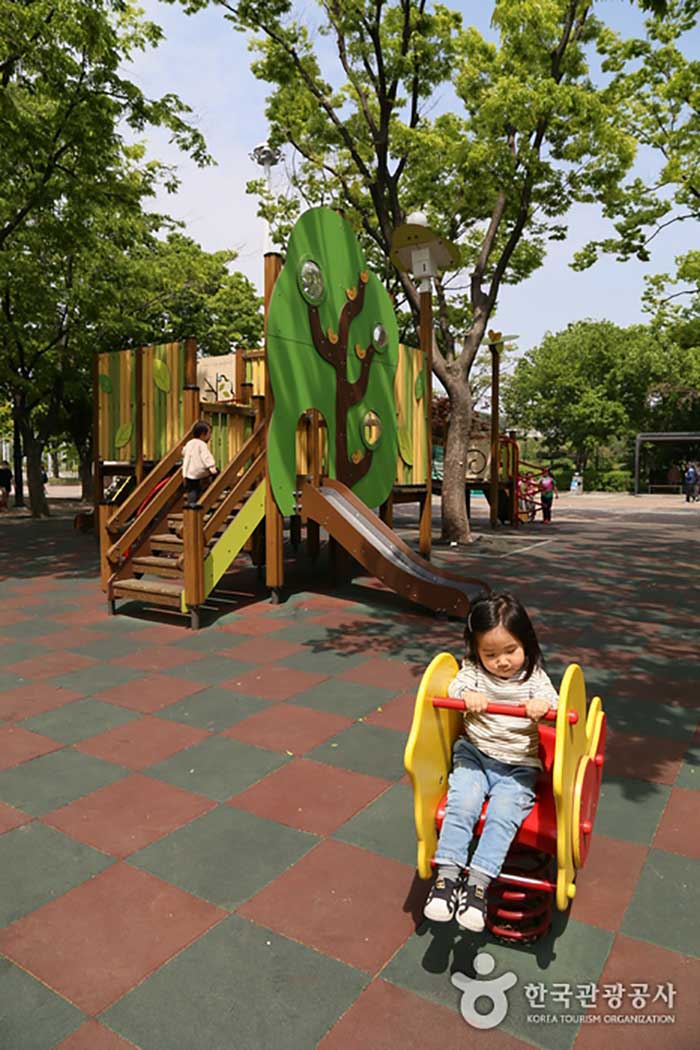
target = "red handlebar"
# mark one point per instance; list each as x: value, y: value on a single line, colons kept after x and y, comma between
x: 517, y: 710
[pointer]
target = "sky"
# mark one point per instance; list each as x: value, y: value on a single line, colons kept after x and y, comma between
x: 207, y: 64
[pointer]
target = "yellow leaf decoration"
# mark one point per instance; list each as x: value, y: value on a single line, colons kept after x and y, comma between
x: 405, y: 446
x: 357, y: 456
x: 351, y: 294
x: 364, y: 276
x: 332, y: 336
x: 161, y: 375
x: 360, y: 351
x: 123, y: 435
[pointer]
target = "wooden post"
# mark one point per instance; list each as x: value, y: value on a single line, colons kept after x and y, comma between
x: 425, y: 532
x: 98, y: 484
x: 190, y: 394
x: 104, y: 513
x: 495, y: 348
x: 193, y: 551
x: 138, y: 412
x: 239, y: 375
x: 274, y: 538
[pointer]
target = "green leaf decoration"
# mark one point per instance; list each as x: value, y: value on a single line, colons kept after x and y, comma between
x: 123, y: 435
x: 405, y: 446
x: 420, y: 385
x: 105, y: 384
x: 161, y: 375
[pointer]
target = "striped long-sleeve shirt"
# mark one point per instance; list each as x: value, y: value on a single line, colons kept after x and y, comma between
x: 504, y: 737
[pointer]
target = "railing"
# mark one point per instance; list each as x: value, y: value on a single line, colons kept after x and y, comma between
x: 254, y: 473
x: 131, y: 505
x: 134, y: 532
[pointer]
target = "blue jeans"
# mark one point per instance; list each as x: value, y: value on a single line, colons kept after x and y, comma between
x: 511, y: 793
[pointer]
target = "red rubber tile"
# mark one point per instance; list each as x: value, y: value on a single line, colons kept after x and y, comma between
x: 310, y: 796
x: 395, y: 714
x: 288, y: 728
x: 388, y: 673
x: 272, y: 682
x: 94, y: 1036
x: 601, y: 898
x: 124, y: 817
x: 20, y: 745
x: 640, y: 686
x: 151, y: 693
x: 49, y: 664
x: 637, y: 962
x: 143, y: 742
x: 256, y: 625
x: 158, y: 658
x: 158, y: 634
x: 678, y: 828
x: 337, y: 890
x: 10, y: 616
x: 11, y: 818
x: 385, y: 1017
x: 260, y: 650
x: 644, y: 758
x: 25, y: 701
x: 83, y: 617
x: 70, y: 638
x: 97, y: 941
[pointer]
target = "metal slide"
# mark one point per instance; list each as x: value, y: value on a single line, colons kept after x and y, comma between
x: 382, y: 553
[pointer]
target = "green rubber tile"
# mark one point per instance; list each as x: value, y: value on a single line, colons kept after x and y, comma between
x: 45, y: 783
x: 324, y: 661
x: 16, y: 653
x: 315, y: 635
x: 642, y: 718
x: 105, y: 648
x: 350, y: 699
x: 217, y: 768
x: 79, y: 720
x: 206, y: 995
x: 38, y: 864
x: 225, y: 856
x: 365, y: 749
x: 31, y: 1016
x: 665, y: 908
x: 209, y: 671
x: 32, y: 628
x: 213, y: 709
x: 385, y: 826
x: 571, y: 953
x: 93, y: 680
x: 10, y: 681
x: 630, y: 809
x: 210, y: 640
x: 689, y: 773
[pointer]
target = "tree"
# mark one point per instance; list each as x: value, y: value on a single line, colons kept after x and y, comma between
x: 529, y: 136
x: 64, y: 165
x: 595, y: 382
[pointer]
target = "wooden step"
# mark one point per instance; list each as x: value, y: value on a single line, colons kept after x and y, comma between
x: 169, y: 594
x: 158, y: 566
x: 166, y: 541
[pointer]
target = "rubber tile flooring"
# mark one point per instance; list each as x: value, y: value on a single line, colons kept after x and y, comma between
x: 206, y: 838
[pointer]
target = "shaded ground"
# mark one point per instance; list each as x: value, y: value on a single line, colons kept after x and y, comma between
x: 207, y: 838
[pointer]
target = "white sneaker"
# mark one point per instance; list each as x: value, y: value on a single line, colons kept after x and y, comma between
x: 442, y: 900
x: 471, y: 909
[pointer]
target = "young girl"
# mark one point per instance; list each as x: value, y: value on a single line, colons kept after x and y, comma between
x: 197, y: 463
x: 548, y: 492
x: 497, y: 758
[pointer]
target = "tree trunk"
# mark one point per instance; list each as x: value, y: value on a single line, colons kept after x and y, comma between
x: 85, y: 475
x: 455, y: 524
x: 37, y: 495
x: 55, y: 465
x: 17, y: 465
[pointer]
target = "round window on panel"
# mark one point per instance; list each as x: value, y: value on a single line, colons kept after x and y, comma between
x: 310, y: 281
x: 371, y: 429
x: 379, y: 337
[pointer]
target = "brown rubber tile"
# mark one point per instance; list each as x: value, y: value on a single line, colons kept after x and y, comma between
x: 24, y: 701
x: 143, y: 742
x: 601, y: 899
x: 20, y: 745
x: 679, y: 828
x: 288, y: 728
x: 154, y: 692
x: 272, y: 682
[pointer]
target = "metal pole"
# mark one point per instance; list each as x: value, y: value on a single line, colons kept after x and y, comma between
x: 495, y: 349
x: 637, y: 445
x: 426, y: 344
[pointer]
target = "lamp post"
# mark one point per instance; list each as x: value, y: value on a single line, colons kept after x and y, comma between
x: 496, y: 344
x: 417, y: 249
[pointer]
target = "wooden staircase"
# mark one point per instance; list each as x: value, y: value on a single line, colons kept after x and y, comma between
x: 165, y: 554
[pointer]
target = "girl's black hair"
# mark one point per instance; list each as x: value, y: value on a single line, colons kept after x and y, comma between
x: 502, y: 610
x: 200, y: 429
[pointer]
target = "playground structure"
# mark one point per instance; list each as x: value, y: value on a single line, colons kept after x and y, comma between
x: 327, y: 423
x: 553, y: 841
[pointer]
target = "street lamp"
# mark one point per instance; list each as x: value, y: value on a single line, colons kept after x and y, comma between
x: 496, y: 344
x: 417, y: 249
x: 267, y: 157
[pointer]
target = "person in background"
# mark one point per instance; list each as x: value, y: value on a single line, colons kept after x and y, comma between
x: 5, y: 484
x: 197, y: 463
x: 548, y: 493
x: 690, y: 481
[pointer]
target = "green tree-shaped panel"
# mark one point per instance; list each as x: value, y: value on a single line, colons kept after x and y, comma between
x: 332, y: 345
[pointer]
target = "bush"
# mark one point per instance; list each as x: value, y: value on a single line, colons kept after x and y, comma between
x: 607, y: 480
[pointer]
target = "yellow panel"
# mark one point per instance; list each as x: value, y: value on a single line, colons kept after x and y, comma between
x: 570, y: 747
x: 147, y: 401
x: 428, y: 754
x: 233, y: 540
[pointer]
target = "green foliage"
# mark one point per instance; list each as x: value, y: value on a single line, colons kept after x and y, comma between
x: 594, y: 382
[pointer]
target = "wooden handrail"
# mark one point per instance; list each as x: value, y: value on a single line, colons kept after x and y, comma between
x: 254, y: 472
x: 131, y: 505
x: 143, y: 520
x: 230, y: 472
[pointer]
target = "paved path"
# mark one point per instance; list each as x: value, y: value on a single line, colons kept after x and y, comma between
x: 208, y: 839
